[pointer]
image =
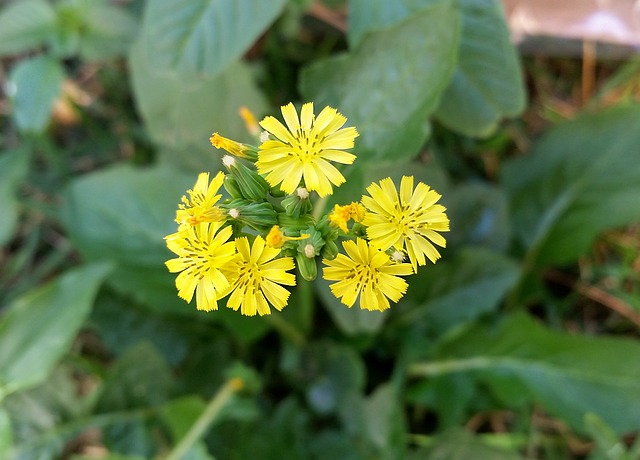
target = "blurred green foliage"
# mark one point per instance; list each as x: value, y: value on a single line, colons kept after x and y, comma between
x: 109, y: 107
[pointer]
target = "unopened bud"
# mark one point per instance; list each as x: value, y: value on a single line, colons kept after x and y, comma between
x: 307, y: 266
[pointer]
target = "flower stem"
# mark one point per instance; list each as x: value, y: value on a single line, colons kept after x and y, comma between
x: 286, y: 329
x: 208, y: 416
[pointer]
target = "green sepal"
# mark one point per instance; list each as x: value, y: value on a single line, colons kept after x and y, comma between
x: 295, y: 206
x: 329, y: 250
x: 251, y: 184
x: 307, y: 266
x: 292, y: 224
x: 231, y: 186
x: 258, y: 216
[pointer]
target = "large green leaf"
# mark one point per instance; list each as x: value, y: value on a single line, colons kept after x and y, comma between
x: 14, y: 166
x: 107, y: 31
x: 25, y: 24
x: 583, y: 177
x: 203, y: 36
x: 390, y: 84
x: 459, y: 289
x: 569, y: 376
x: 371, y: 15
x: 122, y: 214
x: 181, y: 111
x: 461, y: 445
x: 34, y: 85
x: 38, y: 328
x: 488, y: 84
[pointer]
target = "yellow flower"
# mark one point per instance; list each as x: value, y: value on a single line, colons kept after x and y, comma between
x: 304, y: 148
x: 276, y: 239
x: 409, y: 221
x: 341, y: 215
x: 200, y: 206
x: 234, y: 148
x: 249, y: 120
x: 366, y: 272
x: 204, y: 253
x: 257, y: 278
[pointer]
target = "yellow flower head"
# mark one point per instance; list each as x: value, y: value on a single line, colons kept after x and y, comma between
x: 249, y: 120
x: 203, y: 252
x: 410, y: 221
x: 234, y: 148
x: 200, y: 205
x: 257, y: 278
x: 340, y: 216
x: 276, y: 239
x: 366, y: 272
x: 304, y: 148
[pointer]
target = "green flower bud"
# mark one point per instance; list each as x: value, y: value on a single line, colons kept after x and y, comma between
x: 329, y: 250
x: 312, y: 245
x: 307, y: 266
x: 294, y: 224
x: 259, y: 216
x: 298, y: 203
x: 252, y: 185
x: 231, y: 186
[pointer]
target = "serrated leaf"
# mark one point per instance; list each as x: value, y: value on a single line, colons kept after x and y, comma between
x: 34, y: 85
x: 391, y: 83
x: 570, y: 376
x: 488, y: 84
x: 203, y: 36
x: 460, y: 289
x: 14, y: 166
x: 460, y: 445
x: 581, y: 178
x: 38, y: 328
x: 122, y: 214
x: 181, y: 111
x: 25, y: 24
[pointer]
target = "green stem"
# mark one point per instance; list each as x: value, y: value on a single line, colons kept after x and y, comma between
x: 286, y: 329
x: 217, y: 403
x: 449, y: 367
x: 318, y: 207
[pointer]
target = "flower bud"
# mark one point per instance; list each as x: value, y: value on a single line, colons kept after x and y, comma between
x: 259, y: 216
x: 251, y: 184
x: 234, y: 148
x: 307, y: 266
x: 298, y: 203
x: 231, y: 186
x: 329, y: 250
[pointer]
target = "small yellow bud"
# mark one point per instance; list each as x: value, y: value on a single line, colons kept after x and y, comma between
x: 249, y: 120
x: 231, y: 146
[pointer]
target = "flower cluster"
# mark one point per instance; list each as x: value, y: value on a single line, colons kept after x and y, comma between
x: 246, y: 245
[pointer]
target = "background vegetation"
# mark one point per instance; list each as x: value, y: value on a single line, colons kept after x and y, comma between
x: 522, y: 342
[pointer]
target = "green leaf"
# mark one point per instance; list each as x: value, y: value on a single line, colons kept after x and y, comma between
x: 384, y: 420
x: 181, y: 111
x: 488, y: 84
x: 140, y: 378
x: 350, y: 321
x: 122, y: 214
x: 38, y: 328
x: 108, y: 30
x: 608, y: 445
x: 461, y: 445
x: 25, y: 24
x: 479, y: 214
x: 460, y: 289
x: 391, y: 83
x: 34, y: 85
x: 583, y: 177
x: 371, y: 15
x: 203, y: 36
x: 14, y: 166
x: 6, y: 433
x: 569, y: 376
